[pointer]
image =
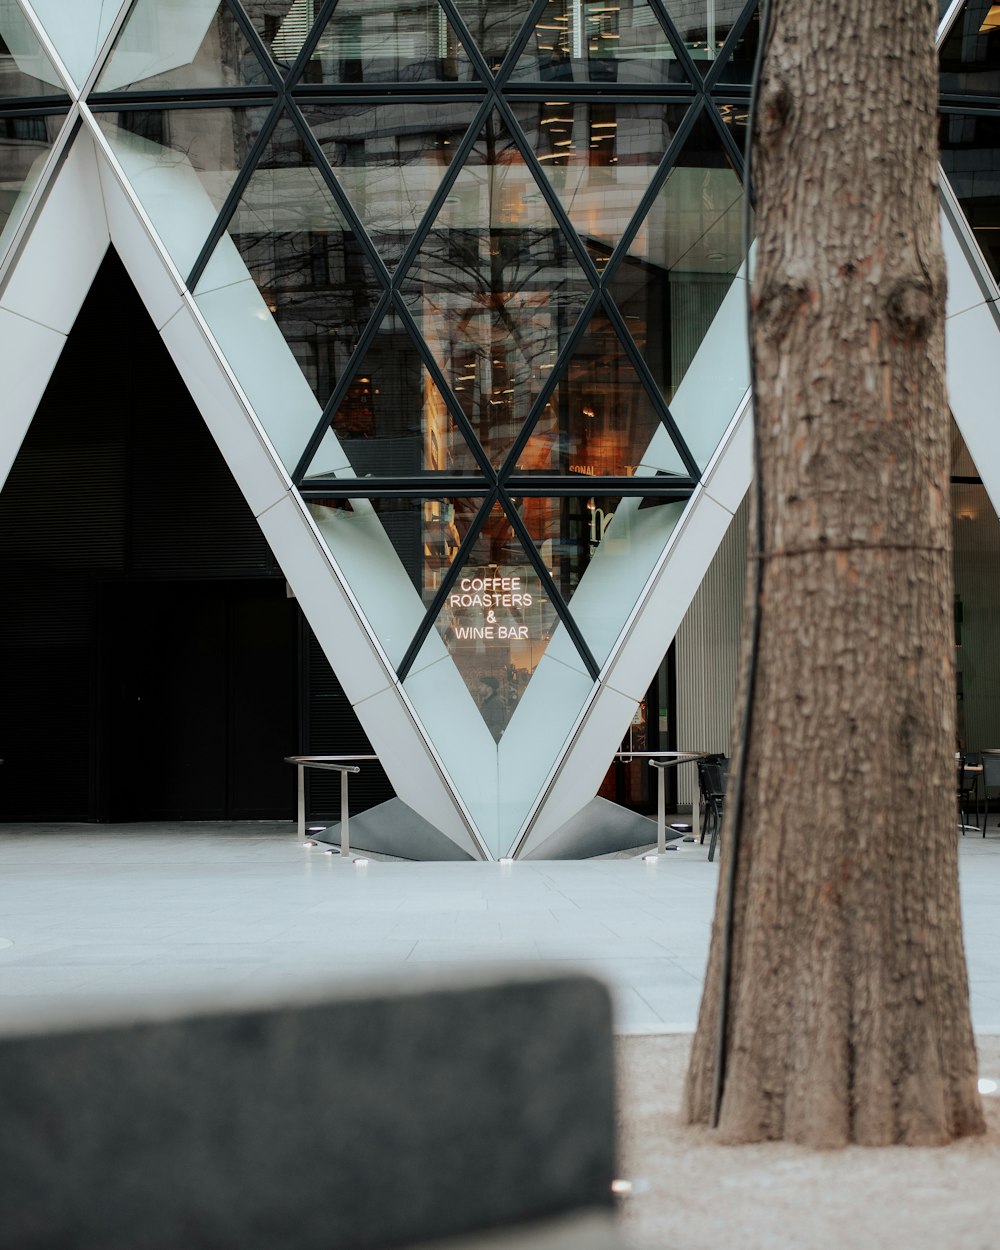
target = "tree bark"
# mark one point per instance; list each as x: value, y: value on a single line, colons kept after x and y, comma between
x: 848, y: 1005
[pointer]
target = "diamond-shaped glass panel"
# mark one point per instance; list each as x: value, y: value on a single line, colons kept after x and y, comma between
x: 497, y: 621
x: 970, y: 156
x: 594, y: 41
x: 393, y: 421
x: 303, y: 257
x: 703, y: 26
x: 390, y: 159
x: 600, y: 551
x: 25, y: 70
x: 683, y: 258
x: 970, y: 55
x: 600, y: 420
x: 23, y: 152
x: 600, y: 158
x: 494, y: 25
x: 172, y: 44
x: 283, y: 26
x: 495, y: 289
x: 740, y: 62
x: 388, y: 41
x: 182, y: 164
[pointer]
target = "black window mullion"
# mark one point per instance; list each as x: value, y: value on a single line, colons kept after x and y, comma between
x: 449, y: 580
x: 439, y: 196
x: 255, y: 41
x: 340, y: 389
x: 674, y: 149
x: 727, y: 49
x: 551, y: 589
x: 444, y: 387
x: 543, y: 486
x: 340, y: 196
x: 551, y: 382
x: 297, y: 68
x: 652, y: 390
x: 553, y: 201
x: 427, y: 486
x: 680, y: 49
x: 235, y: 194
x: 732, y: 147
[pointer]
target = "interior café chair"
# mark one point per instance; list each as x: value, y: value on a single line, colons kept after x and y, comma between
x: 991, y: 781
x: 713, y: 775
x: 968, y: 789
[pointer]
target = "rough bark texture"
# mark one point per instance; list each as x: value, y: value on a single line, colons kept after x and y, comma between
x: 849, y: 1015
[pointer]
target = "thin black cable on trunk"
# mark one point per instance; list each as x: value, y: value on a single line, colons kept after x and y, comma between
x: 756, y: 565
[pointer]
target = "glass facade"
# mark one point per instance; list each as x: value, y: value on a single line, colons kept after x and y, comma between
x: 479, y: 267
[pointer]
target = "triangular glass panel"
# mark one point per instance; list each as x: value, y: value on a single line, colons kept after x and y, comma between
x: 496, y: 621
x: 495, y: 289
x: 494, y: 25
x: 27, y: 143
x: 600, y: 421
x: 181, y: 47
x: 740, y: 62
x: 303, y: 256
x: 683, y: 259
x: 389, y: 548
x: 393, y: 422
x: 381, y: 42
x: 390, y: 159
x: 736, y: 119
x: 600, y: 552
x: 600, y: 157
x: 25, y: 70
x: 182, y: 164
x: 969, y: 150
x: 970, y: 54
x: 593, y: 41
x: 283, y: 26
x: 703, y: 26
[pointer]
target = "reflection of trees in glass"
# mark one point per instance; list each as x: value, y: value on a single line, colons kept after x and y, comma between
x: 495, y: 289
x: 494, y: 25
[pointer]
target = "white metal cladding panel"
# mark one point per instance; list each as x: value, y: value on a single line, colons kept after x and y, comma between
x: 708, y: 650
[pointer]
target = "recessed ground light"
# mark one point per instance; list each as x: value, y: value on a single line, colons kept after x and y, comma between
x: 309, y: 843
x: 361, y: 863
x: 650, y: 857
x: 506, y: 859
x: 987, y: 1086
x: 622, y: 1188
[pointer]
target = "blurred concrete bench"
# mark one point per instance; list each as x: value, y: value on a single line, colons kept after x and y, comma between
x: 397, y: 1118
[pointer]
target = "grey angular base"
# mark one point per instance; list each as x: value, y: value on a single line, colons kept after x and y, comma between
x: 393, y: 828
x: 597, y: 829
x: 373, y: 1122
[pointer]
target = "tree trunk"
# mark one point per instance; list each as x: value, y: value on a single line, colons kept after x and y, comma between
x: 848, y: 1009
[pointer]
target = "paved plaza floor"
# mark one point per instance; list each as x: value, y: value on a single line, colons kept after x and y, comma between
x: 114, y: 917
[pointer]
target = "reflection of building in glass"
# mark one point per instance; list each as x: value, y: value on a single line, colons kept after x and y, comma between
x: 459, y: 287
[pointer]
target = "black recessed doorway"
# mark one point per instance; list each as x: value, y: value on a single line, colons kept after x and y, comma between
x: 199, y: 694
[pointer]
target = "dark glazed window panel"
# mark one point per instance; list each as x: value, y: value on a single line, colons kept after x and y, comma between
x: 393, y: 422
x: 169, y: 47
x: 735, y: 117
x: 388, y: 41
x: 683, y: 258
x: 25, y: 70
x: 970, y: 55
x: 704, y: 25
x: 600, y: 158
x: 390, y: 159
x: 970, y: 156
x: 304, y: 259
x: 283, y: 26
x: 495, y: 289
x: 25, y: 143
x: 600, y: 420
x: 497, y: 621
x: 739, y: 65
x: 594, y: 41
x: 494, y: 25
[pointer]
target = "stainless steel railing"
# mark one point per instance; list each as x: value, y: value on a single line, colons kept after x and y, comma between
x: 343, y: 764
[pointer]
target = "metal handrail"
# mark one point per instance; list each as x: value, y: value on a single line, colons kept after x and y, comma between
x: 661, y: 760
x: 342, y: 764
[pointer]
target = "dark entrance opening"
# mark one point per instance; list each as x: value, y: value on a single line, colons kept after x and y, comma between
x: 199, y: 702
x: 150, y: 657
